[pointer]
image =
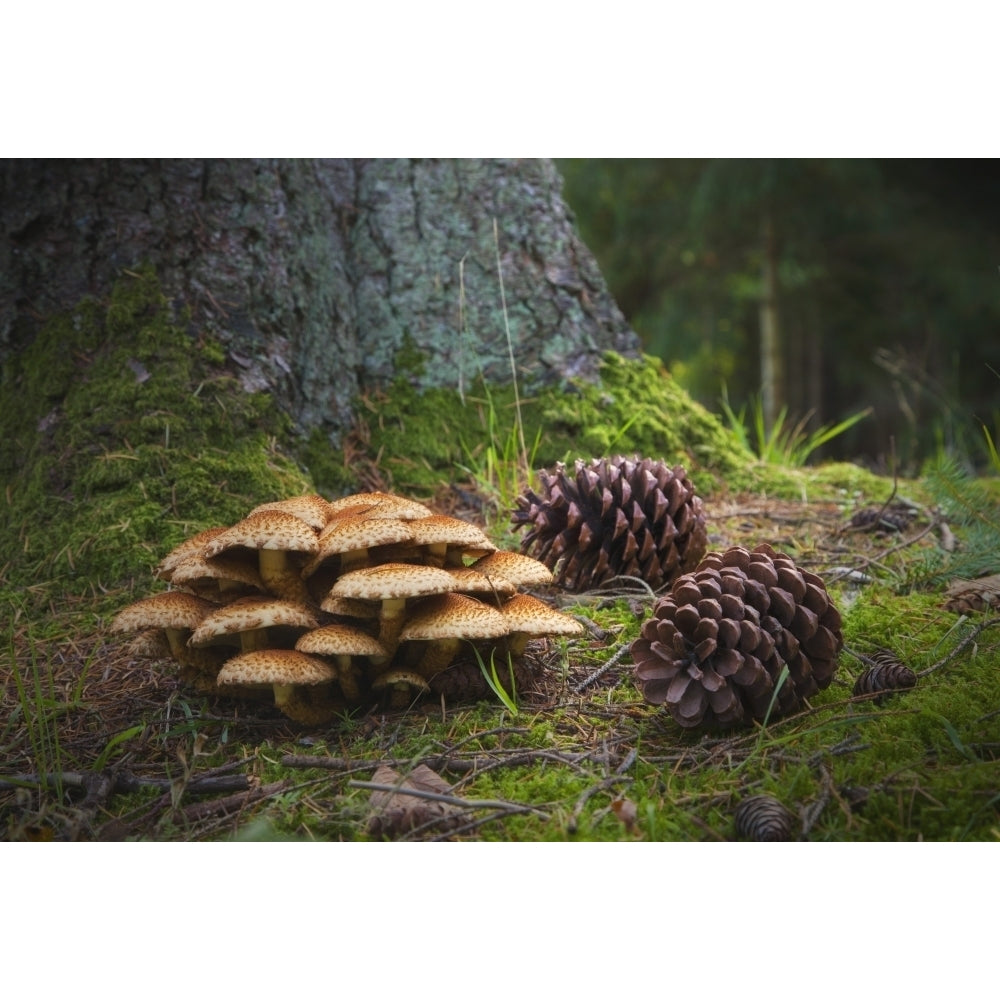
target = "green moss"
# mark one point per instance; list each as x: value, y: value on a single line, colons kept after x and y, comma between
x: 121, y: 439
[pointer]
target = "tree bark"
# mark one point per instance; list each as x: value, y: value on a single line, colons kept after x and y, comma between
x: 321, y: 278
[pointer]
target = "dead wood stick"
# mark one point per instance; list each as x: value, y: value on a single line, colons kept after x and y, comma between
x: 604, y: 668
x: 453, y: 800
x: 201, y: 810
x: 969, y: 639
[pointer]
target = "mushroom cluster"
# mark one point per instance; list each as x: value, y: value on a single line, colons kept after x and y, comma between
x: 328, y: 603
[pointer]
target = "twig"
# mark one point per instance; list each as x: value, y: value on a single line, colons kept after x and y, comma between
x: 970, y: 638
x: 603, y: 669
x: 454, y: 800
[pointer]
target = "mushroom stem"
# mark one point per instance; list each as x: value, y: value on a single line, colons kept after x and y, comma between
x: 312, y: 705
x: 391, y: 623
x: 348, y: 676
x: 281, y: 577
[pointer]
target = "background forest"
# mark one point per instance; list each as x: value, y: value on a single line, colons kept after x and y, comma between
x: 823, y: 286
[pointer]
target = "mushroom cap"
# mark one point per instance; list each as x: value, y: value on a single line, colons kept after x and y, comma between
x: 355, y: 532
x: 392, y: 581
x: 195, y: 545
x: 275, y: 666
x: 171, y: 609
x: 311, y: 508
x: 379, y: 504
x: 249, y: 613
x: 441, y: 529
x: 471, y: 581
x: 266, y: 529
x: 339, y: 640
x: 530, y: 616
x: 521, y: 570
x: 454, y: 616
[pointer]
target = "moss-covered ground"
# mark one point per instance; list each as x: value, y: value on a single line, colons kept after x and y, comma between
x: 123, y: 431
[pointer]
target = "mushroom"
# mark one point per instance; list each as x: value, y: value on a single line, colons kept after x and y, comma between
x: 351, y: 537
x: 344, y: 643
x: 311, y: 508
x: 223, y: 578
x: 444, y: 623
x: 445, y: 540
x: 392, y: 584
x: 521, y: 570
x: 176, y: 615
x: 195, y: 545
x: 174, y: 611
x: 400, y: 684
x: 529, y: 618
x: 303, y: 685
x: 275, y: 535
x: 379, y: 504
x: 249, y: 621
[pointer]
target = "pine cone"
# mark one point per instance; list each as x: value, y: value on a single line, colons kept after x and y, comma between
x: 885, y: 675
x: 616, y: 517
x: 763, y: 817
x: 717, y: 641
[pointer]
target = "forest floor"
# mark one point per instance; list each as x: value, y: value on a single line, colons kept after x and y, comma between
x: 100, y: 746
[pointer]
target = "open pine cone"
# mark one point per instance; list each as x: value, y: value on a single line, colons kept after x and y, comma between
x: 714, y: 648
x: 615, y: 517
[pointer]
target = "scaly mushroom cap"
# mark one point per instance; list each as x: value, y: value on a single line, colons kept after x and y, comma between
x: 454, y: 616
x: 311, y: 508
x: 521, y: 570
x: 392, y: 581
x: 173, y: 609
x: 353, y: 535
x: 270, y: 530
x: 528, y: 618
x: 250, y: 614
x: 339, y: 640
x: 378, y: 504
x: 195, y: 545
x: 275, y: 666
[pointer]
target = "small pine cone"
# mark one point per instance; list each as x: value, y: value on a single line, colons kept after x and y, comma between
x: 885, y: 675
x: 763, y: 817
x: 615, y: 517
x: 717, y: 641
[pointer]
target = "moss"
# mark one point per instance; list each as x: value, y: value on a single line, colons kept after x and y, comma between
x: 121, y: 439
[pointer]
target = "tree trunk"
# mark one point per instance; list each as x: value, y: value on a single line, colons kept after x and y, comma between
x: 772, y: 376
x: 322, y: 278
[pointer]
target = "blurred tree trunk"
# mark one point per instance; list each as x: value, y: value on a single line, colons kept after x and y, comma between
x: 321, y: 277
x: 772, y: 368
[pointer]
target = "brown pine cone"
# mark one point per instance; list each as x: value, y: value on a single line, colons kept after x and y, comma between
x: 614, y: 517
x: 714, y: 649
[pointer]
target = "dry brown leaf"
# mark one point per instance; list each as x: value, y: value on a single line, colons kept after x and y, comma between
x: 396, y: 812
